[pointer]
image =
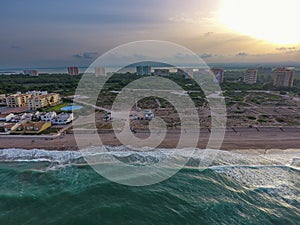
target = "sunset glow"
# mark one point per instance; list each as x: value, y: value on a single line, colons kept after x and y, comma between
x: 273, y: 21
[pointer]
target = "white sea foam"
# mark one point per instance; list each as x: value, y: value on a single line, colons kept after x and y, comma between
x: 214, y: 157
x: 276, y: 172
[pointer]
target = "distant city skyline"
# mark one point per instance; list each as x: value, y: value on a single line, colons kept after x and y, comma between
x: 48, y: 33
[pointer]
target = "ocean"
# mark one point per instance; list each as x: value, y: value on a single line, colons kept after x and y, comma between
x: 51, y: 187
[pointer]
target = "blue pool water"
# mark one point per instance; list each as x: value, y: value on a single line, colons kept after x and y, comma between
x: 71, y: 108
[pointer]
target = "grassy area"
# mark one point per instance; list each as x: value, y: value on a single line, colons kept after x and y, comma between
x: 56, y: 108
x: 50, y: 130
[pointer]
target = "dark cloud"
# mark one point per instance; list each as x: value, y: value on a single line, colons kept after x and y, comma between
x: 86, y: 55
x: 15, y: 47
x: 206, y: 55
x: 293, y: 52
x: 208, y: 34
x: 242, y: 54
x: 286, y: 49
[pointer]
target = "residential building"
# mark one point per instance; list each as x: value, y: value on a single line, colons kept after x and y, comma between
x: 42, y: 101
x: 139, y: 70
x: 283, y: 77
x: 143, y: 70
x: 17, y: 100
x: 250, y: 76
x: 21, y: 117
x: 264, y: 70
x: 100, y: 71
x: 149, y: 114
x: 63, y: 119
x: 36, y: 116
x: 33, y: 99
x: 33, y: 73
x: 73, y: 70
x: 16, y: 119
x: 218, y: 74
x: 30, y: 127
x: 5, y: 128
x: 187, y: 72
x: 3, y: 99
x: 161, y: 72
x: 35, y: 93
x: 6, y: 117
x: 48, y: 116
x: 26, y: 116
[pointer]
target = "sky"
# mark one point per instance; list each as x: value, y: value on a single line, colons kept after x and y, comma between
x: 44, y: 33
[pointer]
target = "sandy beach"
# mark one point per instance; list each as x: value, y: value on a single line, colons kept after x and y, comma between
x: 235, y: 139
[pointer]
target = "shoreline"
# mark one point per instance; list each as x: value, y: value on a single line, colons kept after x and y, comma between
x: 235, y: 139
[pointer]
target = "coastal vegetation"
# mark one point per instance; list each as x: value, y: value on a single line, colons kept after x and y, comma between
x: 53, y: 83
x: 247, y: 105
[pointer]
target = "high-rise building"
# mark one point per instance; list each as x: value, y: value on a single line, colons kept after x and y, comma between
x: 147, y: 70
x: 219, y: 75
x: 143, y: 70
x: 264, y: 70
x: 139, y: 70
x: 3, y: 99
x: 250, y: 76
x: 73, y: 70
x: 161, y: 72
x: 100, y: 71
x: 186, y: 72
x: 283, y: 77
x: 33, y: 73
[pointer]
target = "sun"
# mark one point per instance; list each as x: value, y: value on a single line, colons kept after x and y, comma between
x: 275, y: 21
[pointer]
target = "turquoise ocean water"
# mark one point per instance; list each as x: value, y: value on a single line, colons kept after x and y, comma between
x: 43, y: 187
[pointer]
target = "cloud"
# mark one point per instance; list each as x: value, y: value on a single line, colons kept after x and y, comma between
x: 195, y: 18
x: 182, y: 19
x: 242, y: 54
x: 86, y: 55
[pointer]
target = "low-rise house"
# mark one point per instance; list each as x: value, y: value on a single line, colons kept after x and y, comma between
x: 48, y: 117
x: 63, y: 119
x: 146, y: 115
x: 29, y: 127
x: 107, y: 116
x: 5, y: 128
x: 16, y: 119
x: 36, y: 116
x: 26, y: 116
x: 6, y: 117
x: 149, y: 114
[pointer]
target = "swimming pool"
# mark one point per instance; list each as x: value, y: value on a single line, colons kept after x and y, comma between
x: 71, y: 108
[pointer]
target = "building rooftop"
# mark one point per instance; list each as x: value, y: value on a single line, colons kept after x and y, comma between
x: 7, y: 125
x: 38, y: 125
x: 4, y: 115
